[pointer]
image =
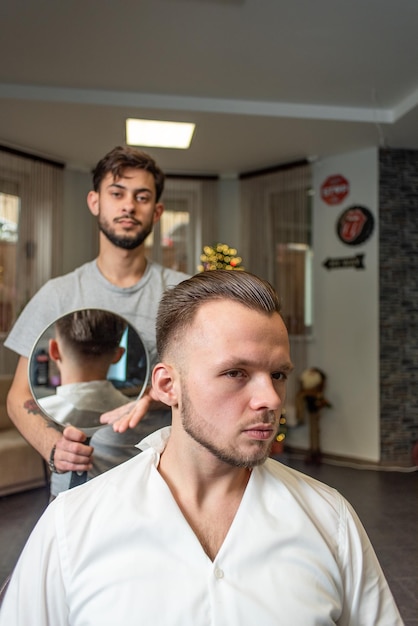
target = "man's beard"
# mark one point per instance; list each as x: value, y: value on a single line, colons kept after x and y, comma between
x: 127, y: 242
x: 231, y: 456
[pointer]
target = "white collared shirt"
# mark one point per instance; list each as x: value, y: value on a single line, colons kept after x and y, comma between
x: 119, y: 551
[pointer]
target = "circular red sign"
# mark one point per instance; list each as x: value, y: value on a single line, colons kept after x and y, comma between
x: 334, y: 189
x: 355, y: 225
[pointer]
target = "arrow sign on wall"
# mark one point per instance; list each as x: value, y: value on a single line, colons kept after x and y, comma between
x: 355, y: 262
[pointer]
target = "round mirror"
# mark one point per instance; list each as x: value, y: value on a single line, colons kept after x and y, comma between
x: 85, y: 363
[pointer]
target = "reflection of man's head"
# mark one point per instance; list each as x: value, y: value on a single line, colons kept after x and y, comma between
x: 90, y: 333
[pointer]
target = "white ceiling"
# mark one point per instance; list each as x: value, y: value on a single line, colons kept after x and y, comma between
x: 266, y: 81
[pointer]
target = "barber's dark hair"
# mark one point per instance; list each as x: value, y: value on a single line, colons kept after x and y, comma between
x: 91, y: 332
x: 180, y: 304
x: 123, y: 157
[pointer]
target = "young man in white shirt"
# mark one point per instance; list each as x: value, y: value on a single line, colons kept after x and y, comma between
x: 203, y: 527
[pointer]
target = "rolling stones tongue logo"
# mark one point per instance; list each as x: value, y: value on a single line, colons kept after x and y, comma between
x: 355, y: 225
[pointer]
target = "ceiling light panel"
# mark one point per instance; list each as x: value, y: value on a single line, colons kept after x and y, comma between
x: 156, y: 134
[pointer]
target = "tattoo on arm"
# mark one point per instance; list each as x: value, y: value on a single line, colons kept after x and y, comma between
x: 31, y: 407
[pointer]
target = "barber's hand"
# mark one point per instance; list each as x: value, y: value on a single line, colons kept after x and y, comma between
x: 129, y: 415
x: 71, y: 454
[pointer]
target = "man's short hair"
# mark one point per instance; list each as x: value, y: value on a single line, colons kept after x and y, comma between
x: 180, y: 304
x: 123, y: 157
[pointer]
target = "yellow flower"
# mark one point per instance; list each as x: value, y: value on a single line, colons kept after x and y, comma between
x: 219, y: 256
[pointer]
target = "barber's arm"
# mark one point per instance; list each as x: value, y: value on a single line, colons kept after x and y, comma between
x: 63, y: 451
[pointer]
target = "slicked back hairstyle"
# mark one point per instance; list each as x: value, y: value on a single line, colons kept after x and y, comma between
x: 123, y: 157
x: 180, y: 304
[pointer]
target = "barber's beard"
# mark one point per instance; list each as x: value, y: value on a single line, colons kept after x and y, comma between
x: 228, y: 453
x: 128, y: 241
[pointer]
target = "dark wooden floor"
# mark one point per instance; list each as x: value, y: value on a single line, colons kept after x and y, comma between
x: 18, y: 515
x: 386, y: 502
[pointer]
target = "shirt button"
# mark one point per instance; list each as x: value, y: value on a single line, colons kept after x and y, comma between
x: 218, y: 573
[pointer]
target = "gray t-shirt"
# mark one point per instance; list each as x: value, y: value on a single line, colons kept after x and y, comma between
x: 86, y: 287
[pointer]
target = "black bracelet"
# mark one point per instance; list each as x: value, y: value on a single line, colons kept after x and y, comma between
x: 51, y: 463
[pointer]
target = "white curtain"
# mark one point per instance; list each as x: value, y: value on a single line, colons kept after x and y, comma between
x: 277, y: 246
x: 36, y: 255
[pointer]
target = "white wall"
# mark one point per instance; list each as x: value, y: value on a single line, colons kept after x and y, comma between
x: 346, y: 316
x: 80, y: 234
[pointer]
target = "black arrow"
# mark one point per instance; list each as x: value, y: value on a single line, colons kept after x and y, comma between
x: 355, y: 262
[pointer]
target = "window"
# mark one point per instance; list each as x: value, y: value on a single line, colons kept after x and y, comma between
x: 172, y: 234
x: 9, y: 229
x: 176, y: 239
x: 290, y: 218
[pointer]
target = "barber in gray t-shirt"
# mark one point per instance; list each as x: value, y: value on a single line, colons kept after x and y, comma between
x: 127, y: 187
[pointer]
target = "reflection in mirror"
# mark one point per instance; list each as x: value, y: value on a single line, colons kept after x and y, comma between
x: 85, y: 363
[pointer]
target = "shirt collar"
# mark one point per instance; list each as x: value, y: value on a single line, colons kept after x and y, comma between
x: 156, y: 440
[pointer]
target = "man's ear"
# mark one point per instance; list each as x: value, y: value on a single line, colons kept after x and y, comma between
x: 53, y: 349
x: 93, y: 202
x: 119, y: 352
x: 164, y: 384
x: 158, y: 211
